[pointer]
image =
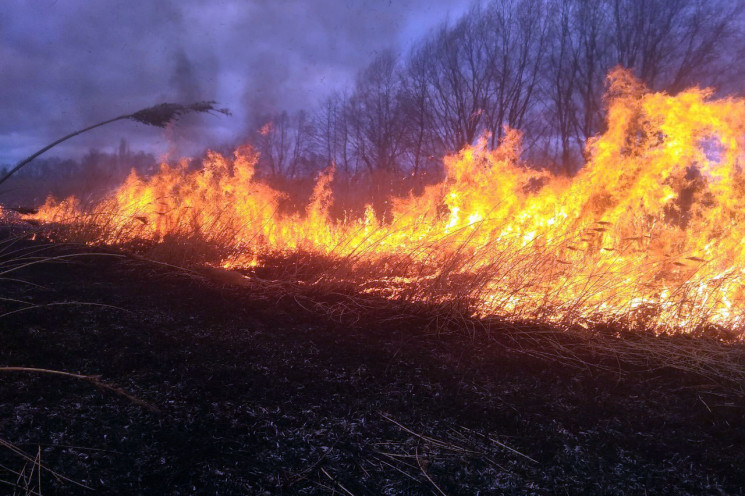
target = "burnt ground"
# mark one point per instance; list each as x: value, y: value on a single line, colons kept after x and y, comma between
x: 260, y: 394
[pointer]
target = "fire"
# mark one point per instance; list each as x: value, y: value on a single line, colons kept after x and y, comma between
x: 648, y: 234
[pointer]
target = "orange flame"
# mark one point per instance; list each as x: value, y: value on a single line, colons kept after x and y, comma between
x: 648, y: 234
x: 266, y: 129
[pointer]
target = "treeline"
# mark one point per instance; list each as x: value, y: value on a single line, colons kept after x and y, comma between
x: 96, y: 173
x: 539, y: 66
x: 535, y: 65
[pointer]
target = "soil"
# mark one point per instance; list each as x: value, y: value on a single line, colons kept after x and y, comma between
x: 258, y: 392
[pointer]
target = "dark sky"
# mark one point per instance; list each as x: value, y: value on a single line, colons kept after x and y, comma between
x: 65, y: 64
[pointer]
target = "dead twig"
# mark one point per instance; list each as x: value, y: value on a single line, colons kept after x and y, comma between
x: 93, y: 379
x: 424, y: 472
x: 332, y: 479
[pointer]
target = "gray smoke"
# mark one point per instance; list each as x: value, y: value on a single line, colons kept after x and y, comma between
x: 67, y: 64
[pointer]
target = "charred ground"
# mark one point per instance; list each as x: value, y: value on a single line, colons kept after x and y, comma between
x: 262, y: 393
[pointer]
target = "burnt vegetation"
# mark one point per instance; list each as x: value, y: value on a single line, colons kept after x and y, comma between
x: 183, y: 384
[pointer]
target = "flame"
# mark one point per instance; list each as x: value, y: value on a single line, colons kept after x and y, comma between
x: 648, y: 234
x: 266, y: 129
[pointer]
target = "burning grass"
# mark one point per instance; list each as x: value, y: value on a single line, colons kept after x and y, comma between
x: 647, y: 236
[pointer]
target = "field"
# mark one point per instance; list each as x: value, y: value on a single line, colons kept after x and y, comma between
x: 206, y: 329
x: 460, y: 247
x: 215, y: 388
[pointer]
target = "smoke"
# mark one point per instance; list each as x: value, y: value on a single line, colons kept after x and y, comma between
x: 302, y: 50
x: 69, y: 64
x: 190, y: 82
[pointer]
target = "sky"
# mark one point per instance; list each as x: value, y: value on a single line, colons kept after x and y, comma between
x: 67, y: 64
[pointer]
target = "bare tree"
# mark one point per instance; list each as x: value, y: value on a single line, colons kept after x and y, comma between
x: 516, y: 39
x: 667, y: 44
x: 536, y: 65
x: 376, y: 109
x: 327, y: 123
x: 302, y: 141
x: 561, y: 80
x: 285, y: 143
x: 459, y: 80
x: 423, y: 143
x: 670, y: 45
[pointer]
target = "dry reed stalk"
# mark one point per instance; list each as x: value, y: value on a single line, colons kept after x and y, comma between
x: 158, y: 115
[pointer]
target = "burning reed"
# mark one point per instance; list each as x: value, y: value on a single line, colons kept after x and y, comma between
x: 647, y: 235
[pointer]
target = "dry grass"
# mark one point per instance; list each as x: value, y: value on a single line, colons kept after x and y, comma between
x: 417, y: 452
x: 28, y: 479
x: 452, y: 293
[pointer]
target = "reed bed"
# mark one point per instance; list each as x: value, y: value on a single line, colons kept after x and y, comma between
x: 645, y: 239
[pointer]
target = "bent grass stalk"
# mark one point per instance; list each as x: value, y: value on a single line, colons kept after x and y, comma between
x: 14, y: 258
